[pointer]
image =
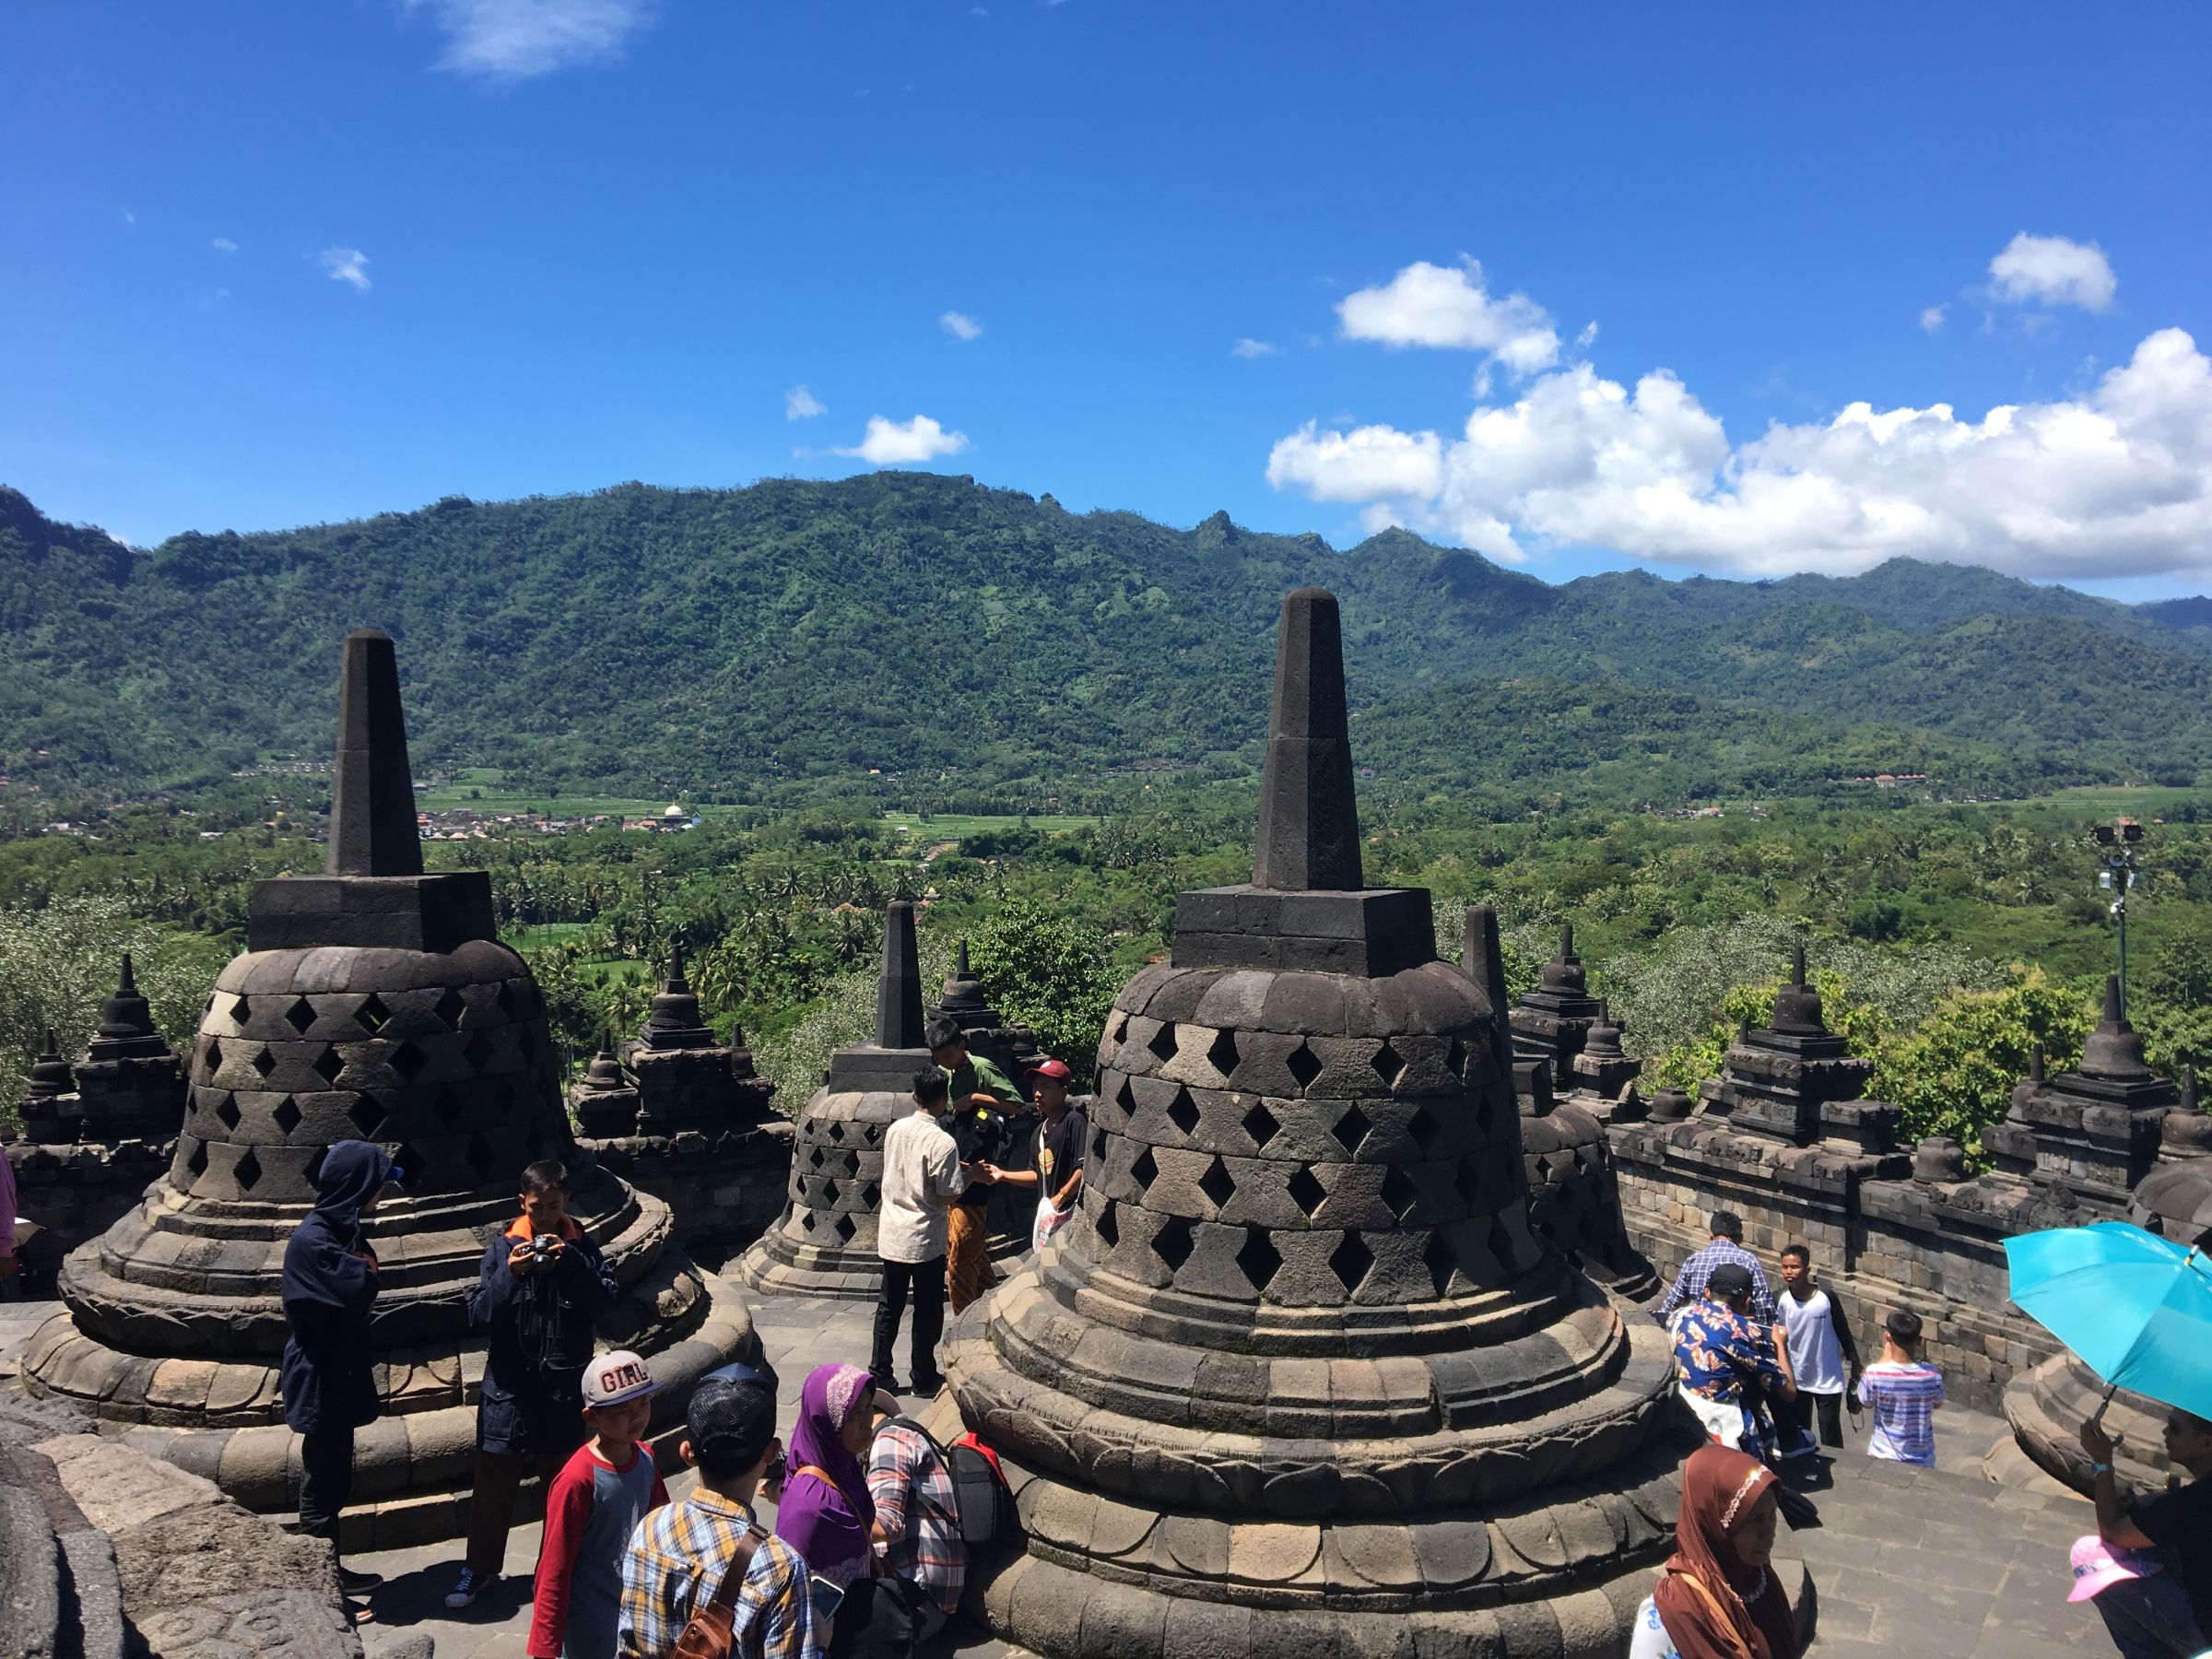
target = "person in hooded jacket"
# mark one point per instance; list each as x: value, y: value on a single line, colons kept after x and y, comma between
x: 329, y: 1286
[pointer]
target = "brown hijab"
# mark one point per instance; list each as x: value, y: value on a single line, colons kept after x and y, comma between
x: 1742, y: 1613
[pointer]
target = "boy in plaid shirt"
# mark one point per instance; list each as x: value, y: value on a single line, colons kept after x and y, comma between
x: 917, y: 1517
x: 681, y: 1552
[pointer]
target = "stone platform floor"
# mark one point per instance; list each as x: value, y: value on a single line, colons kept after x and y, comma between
x: 1906, y: 1560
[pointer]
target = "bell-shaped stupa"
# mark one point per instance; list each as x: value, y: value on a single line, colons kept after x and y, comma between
x: 824, y: 1243
x: 1300, y: 1378
x: 374, y: 1002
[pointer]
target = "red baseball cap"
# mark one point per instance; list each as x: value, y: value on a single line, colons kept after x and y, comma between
x: 1049, y: 1069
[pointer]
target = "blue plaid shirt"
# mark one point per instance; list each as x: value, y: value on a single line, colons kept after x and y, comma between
x: 1689, y: 1284
x: 675, y: 1564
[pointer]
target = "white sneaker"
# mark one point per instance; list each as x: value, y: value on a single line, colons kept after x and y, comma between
x: 473, y: 1584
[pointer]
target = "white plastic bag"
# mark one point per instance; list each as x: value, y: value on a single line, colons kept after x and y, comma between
x: 1049, y: 1220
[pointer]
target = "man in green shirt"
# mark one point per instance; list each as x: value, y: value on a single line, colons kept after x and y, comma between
x: 981, y: 1098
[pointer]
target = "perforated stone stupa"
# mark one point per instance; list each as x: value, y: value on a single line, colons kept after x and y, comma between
x: 1301, y: 1379
x: 374, y: 1002
x: 824, y: 1243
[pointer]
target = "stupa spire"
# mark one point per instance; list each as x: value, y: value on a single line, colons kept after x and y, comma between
x: 1483, y: 960
x: 125, y: 1016
x: 373, y: 802
x: 899, y: 988
x: 1309, y: 838
x: 2115, y: 1049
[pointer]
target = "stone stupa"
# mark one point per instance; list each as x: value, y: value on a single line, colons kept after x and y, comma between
x: 374, y: 1002
x: 1553, y: 1021
x: 2087, y: 1145
x: 681, y: 1115
x: 824, y: 1243
x: 1301, y: 1379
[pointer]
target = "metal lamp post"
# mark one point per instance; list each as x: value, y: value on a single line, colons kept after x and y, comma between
x: 2116, y: 843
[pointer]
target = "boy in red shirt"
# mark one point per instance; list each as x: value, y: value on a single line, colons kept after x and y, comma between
x: 594, y: 1504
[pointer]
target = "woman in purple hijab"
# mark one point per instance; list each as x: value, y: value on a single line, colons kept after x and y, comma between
x: 825, y: 1512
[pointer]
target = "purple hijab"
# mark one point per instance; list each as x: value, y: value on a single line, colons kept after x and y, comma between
x: 829, y: 1523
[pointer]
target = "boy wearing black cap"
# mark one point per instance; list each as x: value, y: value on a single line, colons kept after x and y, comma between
x: 709, y: 1547
x: 1725, y: 1363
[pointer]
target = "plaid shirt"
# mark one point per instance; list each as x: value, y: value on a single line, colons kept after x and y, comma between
x: 1689, y: 1284
x: 919, y: 1512
x: 676, y: 1563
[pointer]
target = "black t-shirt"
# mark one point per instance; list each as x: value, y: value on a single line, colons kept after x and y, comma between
x: 1057, y: 1152
x: 2181, y: 1521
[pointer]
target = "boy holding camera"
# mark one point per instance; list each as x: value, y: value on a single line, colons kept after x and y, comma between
x: 541, y: 1283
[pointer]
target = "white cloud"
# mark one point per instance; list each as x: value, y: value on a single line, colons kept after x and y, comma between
x: 2113, y: 481
x: 347, y: 265
x: 890, y: 442
x: 960, y: 326
x: 1588, y: 337
x: 1931, y: 319
x: 2053, y: 270
x: 129, y: 218
x: 1358, y: 465
x: 223, y: 244
x: 513, y: 39
x: 802, y: 405
x: 1249, y: 347
x: 1449, y: 308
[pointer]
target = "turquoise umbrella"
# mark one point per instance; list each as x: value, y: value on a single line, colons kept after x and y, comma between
x: 2136, y: 1307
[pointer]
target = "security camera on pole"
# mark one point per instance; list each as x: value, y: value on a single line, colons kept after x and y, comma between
x: 2117, y: 842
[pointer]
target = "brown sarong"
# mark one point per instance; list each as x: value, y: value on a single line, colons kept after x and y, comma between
x: 969, y: 1275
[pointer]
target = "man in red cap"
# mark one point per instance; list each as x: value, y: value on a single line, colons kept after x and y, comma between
x: 1055, y: 1168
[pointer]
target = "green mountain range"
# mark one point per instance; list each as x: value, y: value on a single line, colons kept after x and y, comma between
x: 739, y: 642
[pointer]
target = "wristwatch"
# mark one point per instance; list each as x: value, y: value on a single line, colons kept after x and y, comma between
x: 2098, y: 1468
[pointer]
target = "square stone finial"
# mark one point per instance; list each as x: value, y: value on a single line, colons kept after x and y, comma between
x: 1309, y: 838
x: 372, y: 828
x: 899, y: 988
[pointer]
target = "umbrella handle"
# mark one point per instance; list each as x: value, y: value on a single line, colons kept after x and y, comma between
x: 2098, y: 1420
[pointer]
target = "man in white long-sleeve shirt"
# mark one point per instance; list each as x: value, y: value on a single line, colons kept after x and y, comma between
x: 921, y: 1179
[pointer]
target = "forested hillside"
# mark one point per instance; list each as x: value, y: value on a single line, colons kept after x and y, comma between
x: 723, y: 643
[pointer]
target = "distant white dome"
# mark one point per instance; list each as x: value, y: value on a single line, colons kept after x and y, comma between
x: 673, y: 811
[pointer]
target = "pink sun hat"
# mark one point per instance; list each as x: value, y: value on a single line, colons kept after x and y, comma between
x: 2098, y: 1566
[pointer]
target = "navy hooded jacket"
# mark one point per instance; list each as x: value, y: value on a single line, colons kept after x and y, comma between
x: 329, y: 1284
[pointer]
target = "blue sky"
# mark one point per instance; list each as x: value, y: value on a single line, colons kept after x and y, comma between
x: 268, y: 264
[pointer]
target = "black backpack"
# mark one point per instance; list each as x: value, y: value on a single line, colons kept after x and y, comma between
x: 983, y: 1505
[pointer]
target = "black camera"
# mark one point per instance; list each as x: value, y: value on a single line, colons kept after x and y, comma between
x: 986, y: 1135
x: 542, y: 1249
